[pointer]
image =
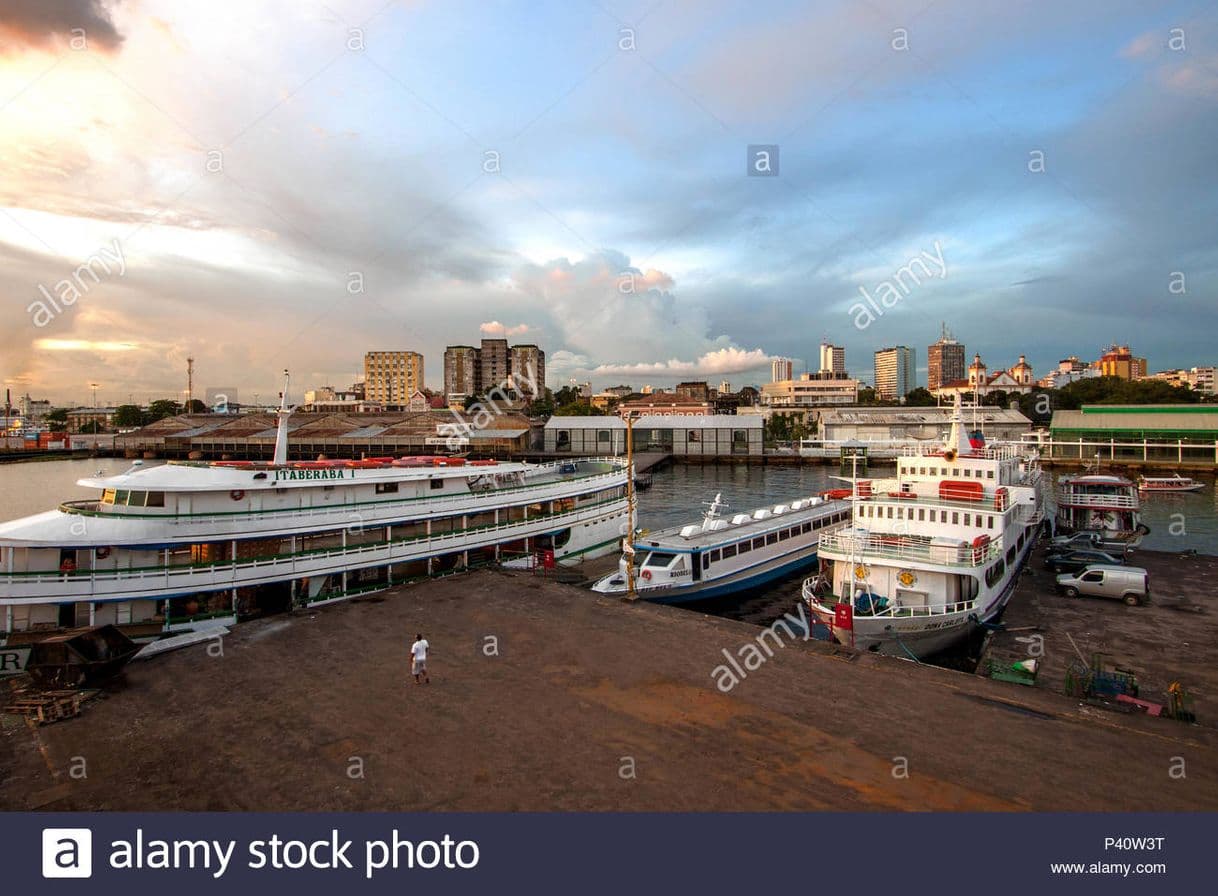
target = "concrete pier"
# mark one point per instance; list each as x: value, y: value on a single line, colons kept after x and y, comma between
x: 547, y: 697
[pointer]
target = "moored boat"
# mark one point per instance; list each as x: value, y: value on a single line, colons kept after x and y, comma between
x: 725, y: 554
x: 934, y: 552
x: 1100, y: 502
x: 186, y: 545
x: 1174, y: 483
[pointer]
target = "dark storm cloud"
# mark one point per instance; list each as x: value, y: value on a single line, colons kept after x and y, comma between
x: 38, y: 23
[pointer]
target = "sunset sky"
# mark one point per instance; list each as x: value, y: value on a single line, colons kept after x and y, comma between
x: 253, y: 162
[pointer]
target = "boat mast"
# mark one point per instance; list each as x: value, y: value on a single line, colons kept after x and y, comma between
x: 628, y: 541
x: 281, y: 434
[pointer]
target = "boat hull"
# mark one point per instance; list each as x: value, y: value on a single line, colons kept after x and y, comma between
x: 745, y: 580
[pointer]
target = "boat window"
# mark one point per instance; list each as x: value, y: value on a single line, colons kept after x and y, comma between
x: 706, y: 561
x: 386, y: 488
x: 437, y: 483
x: 1011, y: 555
x: 994, y: 574
x: 771, y: 538
x: 955, y: 517
x: 716, y: 555
x: 108, y: 496
x: 989, y: 474
x: 729, y: 551
x: 758, y: 544
x: 744, y: 547
x: 656, y: 559
x: 922, y: 514
x: 121, y: 496
x: 807, y: 527
x: 968, y: 519
x: 155, y: 499
x: 989, y: 521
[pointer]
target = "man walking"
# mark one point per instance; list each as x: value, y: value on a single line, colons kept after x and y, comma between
x: 418, y: 660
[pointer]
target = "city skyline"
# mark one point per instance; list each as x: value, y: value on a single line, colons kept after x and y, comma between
x: 371, y: 178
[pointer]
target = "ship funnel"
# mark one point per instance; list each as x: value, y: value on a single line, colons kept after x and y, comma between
x: 281, y: 434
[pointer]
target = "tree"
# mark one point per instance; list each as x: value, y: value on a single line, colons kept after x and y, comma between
x: 91, y: 427
x: 996, y: 399
x: 162, y: 408
x: 59, y: 415
x: 867, y: 395
x: 578, y: 409
x: 197, y: 407
x: 129, y: 416
x: 566, y: 395
x: 920, y: 398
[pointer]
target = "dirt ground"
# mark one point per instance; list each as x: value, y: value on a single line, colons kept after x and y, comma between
x: 1172, y: 638
x: 589, y: 704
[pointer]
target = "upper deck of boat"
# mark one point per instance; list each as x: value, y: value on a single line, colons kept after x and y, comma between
x: 724, y: 529
x: 222, y: 476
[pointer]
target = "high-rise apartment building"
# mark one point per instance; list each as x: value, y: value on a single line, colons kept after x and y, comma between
x: 895, y: 373
x: 494, y: 364
x: 944, y: 361
x: 527, y: 371
x: 461, y: 370
x: 1119, y: 361
x: 832, y: 359
x: 392, y: 377
x: 781, y: 369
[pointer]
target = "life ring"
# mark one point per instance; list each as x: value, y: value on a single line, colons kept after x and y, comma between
x: 646, y: 574
x: 236, y: 494
x: 103, y: 553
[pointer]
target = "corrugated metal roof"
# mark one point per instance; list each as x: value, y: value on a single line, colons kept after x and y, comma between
x: 1094, y: 418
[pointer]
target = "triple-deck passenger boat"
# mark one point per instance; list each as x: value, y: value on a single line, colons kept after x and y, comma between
x: 934, y: 552
x: 183, y: 545
x: 727, y: 554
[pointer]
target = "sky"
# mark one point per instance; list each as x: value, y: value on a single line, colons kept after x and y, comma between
x: 270, y: 184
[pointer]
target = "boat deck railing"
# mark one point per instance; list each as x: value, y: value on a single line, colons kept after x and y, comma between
x: 891, y: 610
x: 347, y: 512
x: 876, y: 546
x: 1069, y: 498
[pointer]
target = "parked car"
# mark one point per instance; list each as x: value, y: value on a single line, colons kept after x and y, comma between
x: 1072, y: 561
x: 1091, y: 541
x: 1079, y: 540
x: 1128, y: 583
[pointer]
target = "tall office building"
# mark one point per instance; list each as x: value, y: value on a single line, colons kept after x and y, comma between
x: 528, y: 371
x: 832, y: 359
x: 781, y: 369
x: 392, y: 377
x: 461, y: 370
x: 944, y: 361
x: 895, y: 373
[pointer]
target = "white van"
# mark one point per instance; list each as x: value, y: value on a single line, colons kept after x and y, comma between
x: 1128, y: 583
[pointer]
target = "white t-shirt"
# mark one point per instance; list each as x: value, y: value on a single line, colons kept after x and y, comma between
x: 419, y: 650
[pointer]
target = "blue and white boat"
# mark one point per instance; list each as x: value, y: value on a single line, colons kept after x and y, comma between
x: 725, y: 554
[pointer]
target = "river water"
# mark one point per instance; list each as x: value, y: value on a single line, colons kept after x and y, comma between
x: 677, y: 496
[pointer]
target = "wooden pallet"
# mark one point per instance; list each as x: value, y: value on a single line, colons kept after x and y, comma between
x: 49, y: 706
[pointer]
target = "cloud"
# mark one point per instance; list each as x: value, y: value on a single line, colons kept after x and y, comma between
x: 494, y: 328
x: 40, y: 24
x: 716, y: 363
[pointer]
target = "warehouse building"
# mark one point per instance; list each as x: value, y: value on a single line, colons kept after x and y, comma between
x: 702, y: 435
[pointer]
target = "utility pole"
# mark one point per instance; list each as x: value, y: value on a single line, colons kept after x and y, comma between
x: 628, y: 543
x: 93, y: 386
x: 190, y: 383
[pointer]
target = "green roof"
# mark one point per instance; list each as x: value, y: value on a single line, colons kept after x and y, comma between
x: 1150, y: 409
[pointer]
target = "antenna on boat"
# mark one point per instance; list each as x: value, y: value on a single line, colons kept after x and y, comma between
x: 281, y: 434
x: 712, y: 509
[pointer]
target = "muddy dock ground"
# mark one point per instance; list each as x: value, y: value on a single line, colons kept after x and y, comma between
x: 547, y: 697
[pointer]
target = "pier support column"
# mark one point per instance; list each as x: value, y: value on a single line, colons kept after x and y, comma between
x: 234, y: 597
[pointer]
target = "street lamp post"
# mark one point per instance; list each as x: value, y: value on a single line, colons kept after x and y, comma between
x: 628, y: 543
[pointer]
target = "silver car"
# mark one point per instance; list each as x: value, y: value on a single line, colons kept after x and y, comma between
x: 1128, y: 583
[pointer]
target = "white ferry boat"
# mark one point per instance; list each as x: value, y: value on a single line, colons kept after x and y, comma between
x: 932, y: 553
x: 1100, y: 502
x: 723, y: 555
x: 1169, y: 484
x: 184, y: 545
